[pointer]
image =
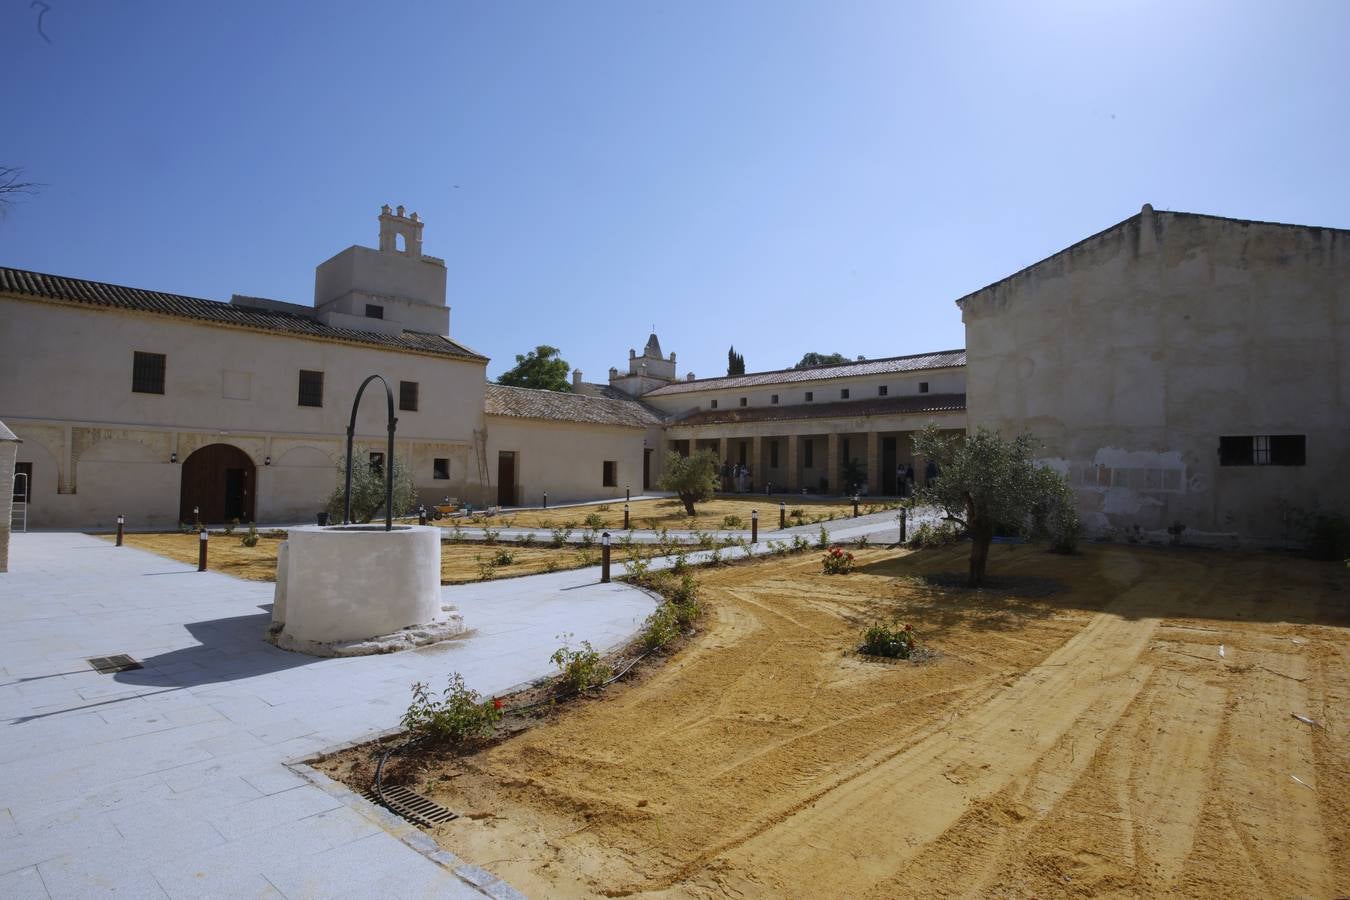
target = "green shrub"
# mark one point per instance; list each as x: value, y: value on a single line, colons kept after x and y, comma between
x: 489, y: 536
x: 930, y: 535
x: 837, y: 561
x: 733, y: 521
x: 487, y: 567
x: 459, y: 713
x: 526, y: 539
x: 796, y: 513
x: 823, y: 539
x: 582, y: 668
x: 661, y: 627
x: 595, y: 520
x: 861, y: 542
x: 231, y: 525
x: 251, y: 538
x: 560, y: 536
x: 800, y: 543
x: 895, y: 641
x: 503, y: 557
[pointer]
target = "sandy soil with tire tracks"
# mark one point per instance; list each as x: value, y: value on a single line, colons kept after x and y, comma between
x: 1084, y: 741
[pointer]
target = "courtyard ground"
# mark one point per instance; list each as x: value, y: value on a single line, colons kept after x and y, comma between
x: 669, y: 513
x: 1120, y: 722
x: 460, y: 563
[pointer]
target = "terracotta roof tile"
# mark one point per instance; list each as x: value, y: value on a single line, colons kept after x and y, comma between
x: 21, y: 283
x: 941, y: 360
x: 528, y: 403
x: 878, y: 406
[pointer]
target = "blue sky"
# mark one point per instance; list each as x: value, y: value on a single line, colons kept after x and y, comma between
x: 780, y: 176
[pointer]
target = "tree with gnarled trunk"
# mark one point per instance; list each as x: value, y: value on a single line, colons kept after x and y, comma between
x: 985, y: 482
x: 693, y: 478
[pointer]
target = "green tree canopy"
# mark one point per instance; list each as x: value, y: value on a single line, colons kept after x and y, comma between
x: 985, y: 482
x: 542, y: 368
x: 811, y: 360
x: 368, y: 490
x: 735, y: 362
x: 693, y: 477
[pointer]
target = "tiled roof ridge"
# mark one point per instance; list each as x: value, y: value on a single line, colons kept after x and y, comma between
x: 63, y: 288
x: 814, y: 373
x: 601, y: 410
x: 875, y: 406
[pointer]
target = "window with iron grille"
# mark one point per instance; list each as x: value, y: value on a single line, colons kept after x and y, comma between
x: 843, y: 393
x: 774, y: 399
x: 713, y: 405
x: 610, y: 474
x: 147, y: 373
x: 743, y: 401
x: 311, y: 388
x: 374, y: 311
x: 407, y: 395
x: 1263, y: 450
x: 810, y: 396
x: 881, y: 391
x: 440, y: 469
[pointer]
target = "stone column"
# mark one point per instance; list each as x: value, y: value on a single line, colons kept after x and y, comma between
x: 832, y: 463
x: 874, y: 474
x: 794, y: 471
x: 757, y: 471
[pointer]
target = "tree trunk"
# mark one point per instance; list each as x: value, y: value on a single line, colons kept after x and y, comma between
x: 981, y: 536
x: 688, y: 501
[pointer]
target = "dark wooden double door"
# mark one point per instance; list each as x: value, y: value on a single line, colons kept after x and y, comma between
x: 218, y: 480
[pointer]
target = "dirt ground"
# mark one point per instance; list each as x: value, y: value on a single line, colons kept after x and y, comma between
x: 670, y: 513
x: 460, y: 563
x: 1078, y: 733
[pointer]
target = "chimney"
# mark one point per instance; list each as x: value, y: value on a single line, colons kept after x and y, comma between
x: 689, y: 377
x: 576, y: 378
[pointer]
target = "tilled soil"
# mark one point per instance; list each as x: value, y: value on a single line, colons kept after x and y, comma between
x: 1077, y: 732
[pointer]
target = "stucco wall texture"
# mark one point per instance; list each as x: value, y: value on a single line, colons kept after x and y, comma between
x: 1131, y: 353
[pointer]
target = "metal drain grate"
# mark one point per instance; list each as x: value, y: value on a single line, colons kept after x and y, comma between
x: 412, y: 806
x: 108, y: 665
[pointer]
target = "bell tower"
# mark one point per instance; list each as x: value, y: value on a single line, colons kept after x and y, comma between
x: 399, y: 233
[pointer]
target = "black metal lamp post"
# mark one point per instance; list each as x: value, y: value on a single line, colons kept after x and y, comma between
x: 754, y: 526
x: 604, y: 558
x: 389, y: 458
x: 121, y: 520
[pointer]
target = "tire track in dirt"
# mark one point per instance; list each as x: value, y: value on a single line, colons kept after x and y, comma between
x: 991, y: 744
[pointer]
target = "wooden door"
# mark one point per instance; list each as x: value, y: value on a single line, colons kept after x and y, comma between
x: 506, y: 478
x: 218, y: 481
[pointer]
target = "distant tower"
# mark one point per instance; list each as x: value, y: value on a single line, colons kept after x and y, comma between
x: 394, y: 225
x: 646, y: 372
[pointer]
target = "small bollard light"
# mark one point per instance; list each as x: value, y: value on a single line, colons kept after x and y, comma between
x: 604, y: 558
x: 903, y: 523
x: 545, y: 499
x: 121, y: 520
x: 201, y: 551
x: 197, y: 517
x: 625, y: 517
x: 421, y: 514
x: 754, y: 526
x: 855, y: 506
x: 782, y: 513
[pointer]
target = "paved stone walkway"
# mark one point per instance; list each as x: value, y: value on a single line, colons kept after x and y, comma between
x: 169, y: 780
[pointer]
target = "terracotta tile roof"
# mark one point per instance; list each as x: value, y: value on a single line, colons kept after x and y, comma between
x: 528, y: 403
x: 941, y: 360
x: 836, y: 409
x: 21, y: 283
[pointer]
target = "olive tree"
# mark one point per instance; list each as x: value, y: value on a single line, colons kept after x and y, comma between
x: 985, y: 481
x: 693, y: 478
x: 368, y: 491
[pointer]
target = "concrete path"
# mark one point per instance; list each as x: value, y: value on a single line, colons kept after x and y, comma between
x: 168, y: 780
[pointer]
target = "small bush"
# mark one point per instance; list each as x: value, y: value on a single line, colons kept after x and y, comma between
x: 526, y: 539
x: 823, y: 539
x: 796, y: 513
x: 585, y: 557
x: 487, y: 567
x: 603, y: 507
x: 837, y: 561
x: 560, y: 536
x: 503, y: 557
x: 459, y: 713
x: 861, y: 542
x: 581, y: 668
x: 185, y: 528
x: 800, y: 543
x: 251, y: 538
x: 930, y: 535
x: 733, y: 521
x: 489, y: 536
x: 594, y: 521
x: 231, y: 526
x: 895, y: 641
x: 661, y: 627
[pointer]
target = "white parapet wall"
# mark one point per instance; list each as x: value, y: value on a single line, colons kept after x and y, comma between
x: 357, y: 589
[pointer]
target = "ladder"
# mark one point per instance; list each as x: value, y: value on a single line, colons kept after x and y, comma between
x: 18, y: 516
x: 480, y: 451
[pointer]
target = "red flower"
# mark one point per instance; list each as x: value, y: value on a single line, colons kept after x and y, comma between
x: 496, y: 703
x: 909, y: 627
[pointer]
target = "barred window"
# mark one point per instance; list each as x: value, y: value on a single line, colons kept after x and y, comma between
x: 743, y: 401
x: 1263, y: 450
x: 881, y: 391
x: 147, y: 373
x: 374, y: 311
x: 311, y: 388
x: 407, y: 395
x: 774, y: 399
x: 810, y: 396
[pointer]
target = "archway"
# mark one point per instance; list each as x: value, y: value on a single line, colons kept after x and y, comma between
x: 219, y: 480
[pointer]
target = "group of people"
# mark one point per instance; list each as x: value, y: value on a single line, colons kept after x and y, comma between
x: 736, y: 477
x: 905, y: 477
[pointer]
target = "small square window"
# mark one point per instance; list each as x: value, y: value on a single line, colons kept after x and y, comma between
x: 923, y: 387
x: 610, y: 475
x: 407, y: 395
x: 843, y: 393
x: 881, y: 391
x: 774, y: 399
x: 311, y: 388
x: 440, y: 469
x: 147, y: 373
x: 713, y: 405
x: 810, y: 396
x: 377, y: 462
x: 743, y: 401
x: 374, y: 311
